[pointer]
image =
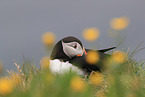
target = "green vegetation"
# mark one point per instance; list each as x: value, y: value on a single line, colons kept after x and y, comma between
x: 125, y: 79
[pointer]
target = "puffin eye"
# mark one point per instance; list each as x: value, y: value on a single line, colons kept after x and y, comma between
x: 75, y: 46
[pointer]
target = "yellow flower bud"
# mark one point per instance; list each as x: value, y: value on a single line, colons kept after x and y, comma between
x: 91, y: 34
x: 48, y: 38
x: 92, y: 57
x: 119, y: 57
x: 119, y: 23
x: 6, y: 86
x: 77, y: 84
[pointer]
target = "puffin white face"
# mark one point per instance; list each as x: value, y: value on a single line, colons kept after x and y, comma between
x: 72, y: 49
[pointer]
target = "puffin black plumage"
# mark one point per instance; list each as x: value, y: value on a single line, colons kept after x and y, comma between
x: 68, y: 49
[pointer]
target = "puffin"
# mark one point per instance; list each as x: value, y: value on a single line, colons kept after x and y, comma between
x: 70, y: 54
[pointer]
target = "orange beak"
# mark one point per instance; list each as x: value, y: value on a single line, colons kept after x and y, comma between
x: 82, y: 53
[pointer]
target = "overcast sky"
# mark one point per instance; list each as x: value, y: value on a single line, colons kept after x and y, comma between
x: 22, y: 23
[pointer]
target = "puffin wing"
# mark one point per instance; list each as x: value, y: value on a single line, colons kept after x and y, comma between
x: 105, y: 50
x: 102, y: 50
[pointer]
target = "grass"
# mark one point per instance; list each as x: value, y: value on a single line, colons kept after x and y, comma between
x: 121, y: 80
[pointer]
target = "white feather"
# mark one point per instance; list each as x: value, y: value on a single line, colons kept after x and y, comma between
x: 58, y: 67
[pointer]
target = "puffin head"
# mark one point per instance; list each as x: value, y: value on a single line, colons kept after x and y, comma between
x: 67, y: 48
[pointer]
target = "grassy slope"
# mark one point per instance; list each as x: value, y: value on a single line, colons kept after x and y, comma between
x: 122, y: 80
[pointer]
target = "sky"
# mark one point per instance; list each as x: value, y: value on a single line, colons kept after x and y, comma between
x: 22, y: 23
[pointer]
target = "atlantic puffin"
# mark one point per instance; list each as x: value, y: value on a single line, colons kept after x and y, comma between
x: 71, y: 51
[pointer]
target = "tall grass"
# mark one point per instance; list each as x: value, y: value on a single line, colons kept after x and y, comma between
x: 121, y: 80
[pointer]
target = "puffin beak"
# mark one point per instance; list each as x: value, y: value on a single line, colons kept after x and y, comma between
x: 84, y: 52
x: 79, y: 55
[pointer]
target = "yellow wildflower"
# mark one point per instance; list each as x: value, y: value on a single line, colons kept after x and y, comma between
x: 92, y: 57
x: 77, y: 84
x: 48, y: 38
x: 118, y: 57
x: 6, y: 86
x: 96, y: 78
x: 45, y: 62
x: 119, y: 23
x: 91, y: 34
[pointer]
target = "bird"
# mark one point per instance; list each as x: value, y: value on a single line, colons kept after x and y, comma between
x: 71, y: 50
